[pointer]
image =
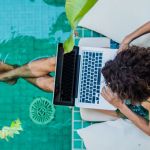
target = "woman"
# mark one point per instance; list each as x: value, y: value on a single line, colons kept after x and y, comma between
x: 35, y: 72
x: 128, y: 77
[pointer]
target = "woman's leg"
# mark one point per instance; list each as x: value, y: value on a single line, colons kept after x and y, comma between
x: 42, y: 67
x: 5, y: 67
x: 36, y: 68
x: 45, y: 83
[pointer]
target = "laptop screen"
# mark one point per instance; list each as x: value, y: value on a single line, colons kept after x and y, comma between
x: 66, y: 79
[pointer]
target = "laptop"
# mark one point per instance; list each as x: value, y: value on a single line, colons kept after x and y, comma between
x: 78, y: 80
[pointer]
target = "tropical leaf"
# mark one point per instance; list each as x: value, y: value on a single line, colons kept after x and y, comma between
x: 69, y: 43
x: 14, y: 128
x: 75, y: 10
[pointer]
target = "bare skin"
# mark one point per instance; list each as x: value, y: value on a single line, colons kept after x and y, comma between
x: 35, y: 72
x: 144, y: 29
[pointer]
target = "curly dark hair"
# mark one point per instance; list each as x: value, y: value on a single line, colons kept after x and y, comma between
x: 129, y: 74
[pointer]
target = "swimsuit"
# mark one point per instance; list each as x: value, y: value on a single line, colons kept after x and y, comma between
x: 137, y: 109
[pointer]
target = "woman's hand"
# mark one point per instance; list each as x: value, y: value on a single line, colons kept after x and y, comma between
x: 111, y: 97
x: 124, y: 44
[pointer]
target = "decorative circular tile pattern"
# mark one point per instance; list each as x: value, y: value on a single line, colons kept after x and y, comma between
x: 41, y: 110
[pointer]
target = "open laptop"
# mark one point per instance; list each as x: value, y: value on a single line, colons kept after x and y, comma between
x: 78, y: 78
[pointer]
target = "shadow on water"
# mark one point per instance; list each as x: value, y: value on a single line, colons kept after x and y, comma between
x: 64, y: 26
x: 22, y: 49
x: 53, y: 2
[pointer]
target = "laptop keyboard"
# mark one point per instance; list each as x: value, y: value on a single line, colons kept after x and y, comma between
x: 90, y: 77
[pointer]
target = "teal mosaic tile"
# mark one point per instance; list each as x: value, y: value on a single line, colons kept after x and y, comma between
x: 77, y: 116
x: 77, y: 124
x: 86, y: 124
x: 76, y: 109
x: 77, y: 144
x: 76, y: 136
x: 80, y: 32
x: 95, y: 34
x: 77, y: 41
x: 87, y: 33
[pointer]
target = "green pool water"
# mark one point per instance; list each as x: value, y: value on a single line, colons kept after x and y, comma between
x: 31, y: 29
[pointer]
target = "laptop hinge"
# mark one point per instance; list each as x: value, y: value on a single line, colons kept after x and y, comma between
x: 76, y: 81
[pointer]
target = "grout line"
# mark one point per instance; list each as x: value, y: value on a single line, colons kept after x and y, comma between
x: 76, y: 111
x: 78, y: 140
x: 77, y: 120
x: 73, y: 129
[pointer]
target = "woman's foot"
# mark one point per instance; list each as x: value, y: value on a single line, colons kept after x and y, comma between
x: 6, y: 67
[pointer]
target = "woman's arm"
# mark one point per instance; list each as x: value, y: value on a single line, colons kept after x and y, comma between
x: 108, y: 112
x: 113, y: 99
x: 137, y: 120
x: 139, y: 32
x: 144, y: 29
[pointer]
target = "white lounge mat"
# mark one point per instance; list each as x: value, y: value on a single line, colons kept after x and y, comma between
x: 117, y: 18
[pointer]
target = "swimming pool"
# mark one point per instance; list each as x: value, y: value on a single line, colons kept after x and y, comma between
x: 31, y: 29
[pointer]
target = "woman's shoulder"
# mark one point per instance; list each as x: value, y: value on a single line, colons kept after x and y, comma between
x: 146, y: 104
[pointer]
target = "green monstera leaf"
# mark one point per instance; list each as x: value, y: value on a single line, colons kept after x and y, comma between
x: 75, y: 10
x: 69, y: 43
